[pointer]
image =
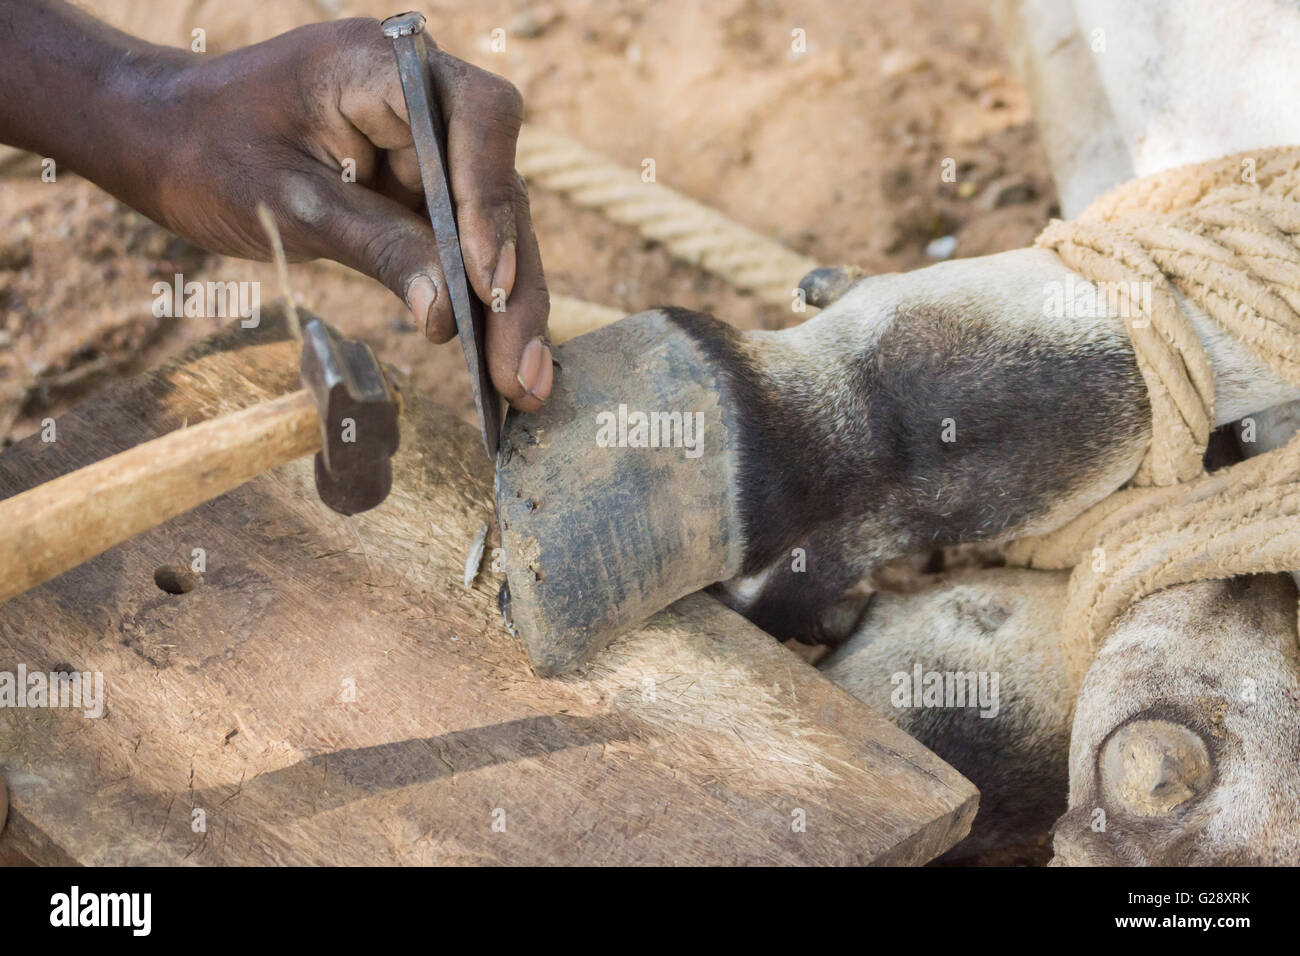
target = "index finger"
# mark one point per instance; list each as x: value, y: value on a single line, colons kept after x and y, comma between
x: 483, y: 113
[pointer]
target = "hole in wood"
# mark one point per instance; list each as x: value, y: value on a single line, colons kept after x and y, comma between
x: 175, y: 580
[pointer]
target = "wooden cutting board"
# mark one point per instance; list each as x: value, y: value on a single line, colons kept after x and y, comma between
x: 331, y: 693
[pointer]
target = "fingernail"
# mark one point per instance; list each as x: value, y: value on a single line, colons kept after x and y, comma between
x: 535, y: 372
x: 503, y: 277
x: 420, y: 296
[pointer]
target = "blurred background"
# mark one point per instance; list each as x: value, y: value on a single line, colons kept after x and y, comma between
x: 836, y: 152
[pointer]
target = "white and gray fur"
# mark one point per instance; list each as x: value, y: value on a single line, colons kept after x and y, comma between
x: 842, y: 420
x: 993, y: 622
x: 1185, y: 748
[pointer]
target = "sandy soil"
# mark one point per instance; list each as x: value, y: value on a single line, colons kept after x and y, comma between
x: 837, y: 152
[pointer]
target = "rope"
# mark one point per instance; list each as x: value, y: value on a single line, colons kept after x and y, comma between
x: 1233, y: 249
x: 689, y: 230
x: 571, y: 317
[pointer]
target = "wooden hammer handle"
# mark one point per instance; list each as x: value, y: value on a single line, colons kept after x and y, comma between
x: 61, y: 523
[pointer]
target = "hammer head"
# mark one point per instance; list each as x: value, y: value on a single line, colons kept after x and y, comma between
x: 359, y: 411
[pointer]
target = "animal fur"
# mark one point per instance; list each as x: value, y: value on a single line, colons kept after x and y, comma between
x: 842, y: 423
x: 1217, y: 660
x: 996, y: 621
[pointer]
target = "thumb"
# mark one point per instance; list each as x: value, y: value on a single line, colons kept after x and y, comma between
x: 373, y: 234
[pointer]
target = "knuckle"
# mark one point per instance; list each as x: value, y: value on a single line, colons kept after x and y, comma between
x: 541, y: 302
x: 300, y: 212
x: 509, y: 101
x: 500, y: 99
x: 519, y: 193
x: 492, y: 198
x: 361, y: 34
x: 488, y: 207
x: 385, y: 255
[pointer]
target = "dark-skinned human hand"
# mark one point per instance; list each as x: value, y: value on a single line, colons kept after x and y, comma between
x: 313, y: 124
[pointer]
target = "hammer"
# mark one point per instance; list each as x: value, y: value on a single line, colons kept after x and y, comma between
x: 347, y: 414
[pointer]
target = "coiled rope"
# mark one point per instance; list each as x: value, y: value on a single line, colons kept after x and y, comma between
x: 689, y: 230
x: 1231, y: 247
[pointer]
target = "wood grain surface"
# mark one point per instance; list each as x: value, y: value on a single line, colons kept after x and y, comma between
x: 61, y: 523
x: 331, y: 693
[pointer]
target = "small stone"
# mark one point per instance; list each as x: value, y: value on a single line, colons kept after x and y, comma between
x: 1007, y: 192
x: 1016, y: 193
x: 526, y: 25
x: 942, y: 248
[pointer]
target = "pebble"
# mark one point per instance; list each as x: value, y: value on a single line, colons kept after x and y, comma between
x: 942, y: 248
x: 1007, y: 192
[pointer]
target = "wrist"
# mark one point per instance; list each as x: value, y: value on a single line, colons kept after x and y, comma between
x: 140, y: 126
x: 89, y: 97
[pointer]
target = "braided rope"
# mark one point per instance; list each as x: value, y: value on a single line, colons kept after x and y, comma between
x: 689, y: 230
x: 571, y: 317
x: 1232, y: 248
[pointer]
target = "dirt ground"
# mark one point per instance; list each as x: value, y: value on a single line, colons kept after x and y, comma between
x: 837, y: 152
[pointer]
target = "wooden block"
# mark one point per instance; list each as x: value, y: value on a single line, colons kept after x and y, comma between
x: 696, y: 740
